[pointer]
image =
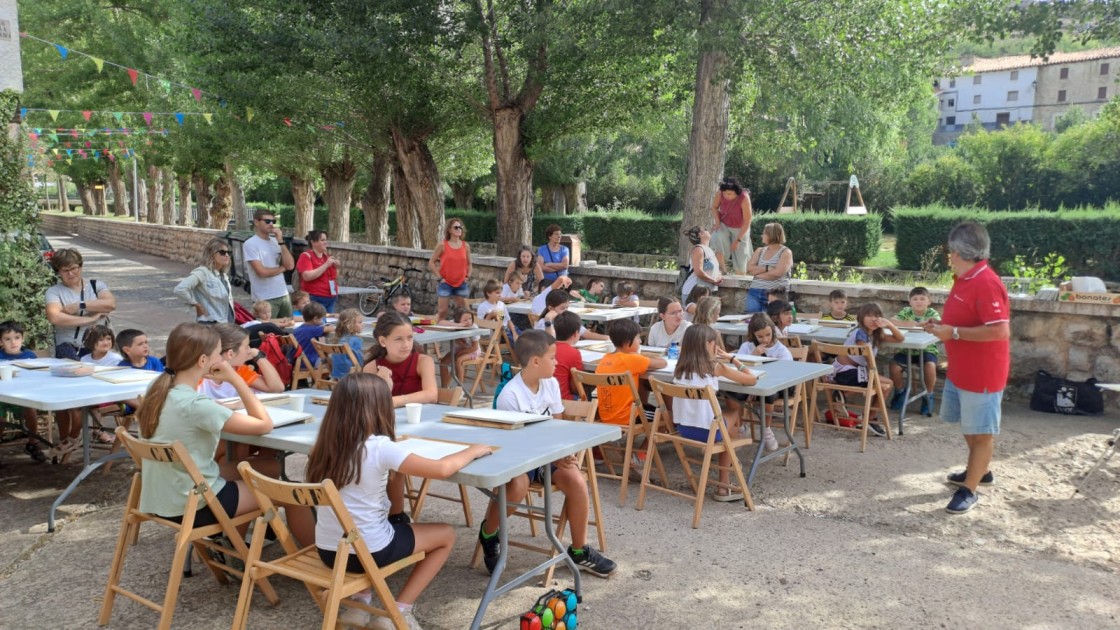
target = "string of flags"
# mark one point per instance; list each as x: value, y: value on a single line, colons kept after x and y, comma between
x: 180, y: 117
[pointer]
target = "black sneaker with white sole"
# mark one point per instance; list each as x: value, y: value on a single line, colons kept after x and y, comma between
x: 593, y: 562
x: 957, y: 479
x: 876, y: 429
x: 491, y: 549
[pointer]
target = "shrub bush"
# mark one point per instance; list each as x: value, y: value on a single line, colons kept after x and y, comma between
x: 1088, y: 238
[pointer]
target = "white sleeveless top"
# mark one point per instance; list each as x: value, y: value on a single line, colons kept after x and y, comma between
x: 694, y: 413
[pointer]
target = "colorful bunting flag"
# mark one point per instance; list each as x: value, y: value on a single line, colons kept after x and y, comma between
x: 209, y: 118
x: 249, y: 113
x: 179, y: 118
x: 62, y: 50
x: 23, y: 112
x: 100, y: 63
x: 86, y: 114
x: 118, y: 115
x: 148, y: 118
x: 54, y: 114
x: 197, y: 93
x: 133, y: 74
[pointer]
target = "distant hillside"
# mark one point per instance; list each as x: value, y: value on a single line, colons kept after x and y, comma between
x: 1022, y: 46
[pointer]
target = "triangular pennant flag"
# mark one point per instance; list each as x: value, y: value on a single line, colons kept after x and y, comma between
x: 69, y: 151
x: 74, y: 133
x: 69, y: 160
x: 179, y: 118
x: 23, y: 112
x: 54, y: 114
x: 86, y: 114
x: 288, y: 122
x: 165, y: 84
x: 100, y: 63
x: 118, y: 115
x: 62, y: 50
x: 197, y: 93
x: 222, y: 104
x: 133, y: 74
x: 209, y: 118
x: 89, y: 144
x: 249, y: 113
x: 96, y: 154
x: 34, y: 137
x: 148, y: 118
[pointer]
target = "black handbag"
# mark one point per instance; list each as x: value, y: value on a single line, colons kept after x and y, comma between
x: 1053, y: 394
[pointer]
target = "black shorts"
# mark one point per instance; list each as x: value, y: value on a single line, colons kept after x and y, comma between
x: 849, y: 378
x: 536, y: 475
x: 402, y: 546
x: 227, y: 497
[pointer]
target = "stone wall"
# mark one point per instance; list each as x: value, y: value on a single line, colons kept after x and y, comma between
x: 1075, y: 340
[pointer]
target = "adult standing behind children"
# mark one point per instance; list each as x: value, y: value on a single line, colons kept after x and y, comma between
x: 206, y: 288
x: 976, y: 329
x: 268, y: 258
x: 451, y: 261
x: 74, y: 303
x: 318, y: 271
x: 731, y: 226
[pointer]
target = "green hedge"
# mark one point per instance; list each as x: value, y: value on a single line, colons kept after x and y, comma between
x: 814, y: 238
x: 1088, y: 238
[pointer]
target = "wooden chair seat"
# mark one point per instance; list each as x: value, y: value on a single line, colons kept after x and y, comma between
x: 871, y: 394
x: 327, y: 353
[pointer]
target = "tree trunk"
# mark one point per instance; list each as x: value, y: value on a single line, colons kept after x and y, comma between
x: 120, y: 194
x: 338, y: 185
x: 408, y: 225
x: 303, y: 192
x: 240, y: 208
x: 707, y: 142
x: 63, y: 198
x: 575, y: 197
x: 463, y: 191
x: 552, y: 200
x: 515, y: 182
x: 89, y: 205
x: 201, y: 199
x: 99, y: 199
x: 419, y: 173
x: 221, y: 207
x: 155, y: 195
x: 184, y: 182
x: 375, y: 200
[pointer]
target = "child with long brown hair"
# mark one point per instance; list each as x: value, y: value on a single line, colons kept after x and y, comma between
x: 699, y: 366
x: 356, y: 450
x: 237, y: 352
x: 762, y: 340
x: 174, y: 410
x: 348, y: 327
x: 852, y: 370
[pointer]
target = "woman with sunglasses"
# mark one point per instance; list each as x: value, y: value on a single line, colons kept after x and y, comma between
x: 731, y: 226
x: 451, y: 261
x: 318, y: 271
x: 207, y: 286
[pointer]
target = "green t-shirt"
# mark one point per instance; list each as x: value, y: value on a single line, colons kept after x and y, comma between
x: 846, y: 318
x: 907, y: 315
x: 588, y: 297
x: 197, y: 422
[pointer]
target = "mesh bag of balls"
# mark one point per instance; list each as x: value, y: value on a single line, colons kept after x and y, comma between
x: 555, y: 610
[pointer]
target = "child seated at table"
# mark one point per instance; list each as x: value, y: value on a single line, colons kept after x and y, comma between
x: 299, y: 300
x: 173, y: 410
x: 918, y: 312
x: 312, y: 328
x: 535, y: 390
x: 249, y: 363
x: 356, y: 449
x: 514, y: 290
x: 592, y: 293
x: 615, y: 400
x: 853, y: 370
x: 776, y: 294
x: 625, y: 296
x: 698, y: 293
x: 11, y: 349
x: 555, y: 303
x: 762, y: 340
x: 462, y: 350
x: 262, y: 312
x: 838, y: 308
x: 134, y: 346
x: 781, y: 313
x: 101, y: 347
x: 566, y: 328
x: 348, y: 328
x: 700, y: 365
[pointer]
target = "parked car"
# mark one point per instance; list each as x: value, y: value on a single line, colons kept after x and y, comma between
x: 45, y: 248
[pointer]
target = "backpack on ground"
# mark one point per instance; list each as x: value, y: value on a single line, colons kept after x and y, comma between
x: 505, y: 377
x: 275, y: 352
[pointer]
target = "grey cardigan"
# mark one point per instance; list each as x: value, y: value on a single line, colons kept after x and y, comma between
x: 210, y: 289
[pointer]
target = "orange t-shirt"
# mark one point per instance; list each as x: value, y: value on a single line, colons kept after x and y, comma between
x: 246, y: 373
x: 615, y: 400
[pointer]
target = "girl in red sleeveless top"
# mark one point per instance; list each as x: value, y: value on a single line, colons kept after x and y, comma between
x: 451, y: 261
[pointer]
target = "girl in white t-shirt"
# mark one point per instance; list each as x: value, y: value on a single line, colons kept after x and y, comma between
x: 762, y: 340
x: 356, y: 449
x: 102, y: 348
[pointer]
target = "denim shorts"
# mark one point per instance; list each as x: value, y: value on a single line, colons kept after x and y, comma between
x: 977, y: 413
x: 903, y: 359
x: 445, y: 290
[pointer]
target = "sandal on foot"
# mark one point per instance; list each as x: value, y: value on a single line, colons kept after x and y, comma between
x: 101, y: 436
x: 733, y: 494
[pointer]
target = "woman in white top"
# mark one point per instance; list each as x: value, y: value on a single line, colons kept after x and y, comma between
x: 705, y: 265
x: 672, y: 326
x: 699, y: 367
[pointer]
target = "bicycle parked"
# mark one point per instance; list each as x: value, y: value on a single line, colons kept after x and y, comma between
x: 371, y: 303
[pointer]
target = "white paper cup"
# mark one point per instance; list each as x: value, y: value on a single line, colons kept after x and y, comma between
x: 297, y: 403
x: 412, y: 412
x: 6, y: 372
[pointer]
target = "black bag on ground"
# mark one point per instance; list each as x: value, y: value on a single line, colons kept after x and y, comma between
x: 1054, y: 394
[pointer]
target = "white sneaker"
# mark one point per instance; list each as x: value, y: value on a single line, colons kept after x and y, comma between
x: 410, y: 619
x: 769, y: 442
x: 354, y: 617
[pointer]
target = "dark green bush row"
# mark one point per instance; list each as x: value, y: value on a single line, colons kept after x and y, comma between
x: 1089, y: 239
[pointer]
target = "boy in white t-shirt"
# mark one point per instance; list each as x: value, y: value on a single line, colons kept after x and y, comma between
x: 514, y: 291
x: 535, y: 390
x: 492, y: 307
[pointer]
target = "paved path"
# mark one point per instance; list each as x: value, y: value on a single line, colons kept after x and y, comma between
x: 862, y: 542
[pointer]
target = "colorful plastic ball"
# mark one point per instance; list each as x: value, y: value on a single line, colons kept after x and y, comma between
x: 558, y: 608
x: 547, y: 618
x: 560, y: 625
x: 571, y: 621
x: 572, y: 602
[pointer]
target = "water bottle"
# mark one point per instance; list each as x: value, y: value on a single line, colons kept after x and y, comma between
x: 793, y: 307
x: 674, y: 351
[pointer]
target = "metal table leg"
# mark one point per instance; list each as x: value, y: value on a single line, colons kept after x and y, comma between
x: 87, y: 467
x: 759, y: 456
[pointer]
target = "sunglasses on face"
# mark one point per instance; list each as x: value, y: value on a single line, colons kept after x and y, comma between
x: 457, y: 228
x: 269, y: 221
x: 223, y: 252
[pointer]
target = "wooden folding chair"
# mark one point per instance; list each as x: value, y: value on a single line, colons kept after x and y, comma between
x: 506, y: 349
x: 665, y: 432
x: 871, y: 393
x: 187, y: 535
x: 580, y: 411
x: 302, y: 370
x: 633, y: 427
x: 328, y: 586
x: 791, y: 342
x: 797, y: 406
x: 417, y: 494
x: 490, y: 357
x: 327, y: 353
x: 122, y: 420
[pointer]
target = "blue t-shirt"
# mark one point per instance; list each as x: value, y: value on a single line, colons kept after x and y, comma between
x: 340, y: 363
x: 151, y: 364
x: 550, y: 256
x: 23, y: 354
x: 304, y: 334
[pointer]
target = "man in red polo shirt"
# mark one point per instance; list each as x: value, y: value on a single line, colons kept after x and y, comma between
x: 975, y: 326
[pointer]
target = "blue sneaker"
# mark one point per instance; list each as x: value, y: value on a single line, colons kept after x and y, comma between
x: 931, y: 405
x: 963, y: 500
x: 898, y: 399
x: 925, y: 406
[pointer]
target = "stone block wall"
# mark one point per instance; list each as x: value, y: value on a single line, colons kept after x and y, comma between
x: 1072, y: 340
